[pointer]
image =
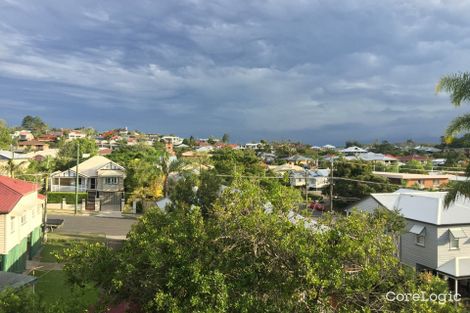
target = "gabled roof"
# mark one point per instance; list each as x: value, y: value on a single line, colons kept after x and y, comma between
x: 11, y: 191
x: 354, y: 149
x: 90, y: 167
x: 426, y: 206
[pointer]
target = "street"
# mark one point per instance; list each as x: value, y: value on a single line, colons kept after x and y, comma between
x: 94, y: 225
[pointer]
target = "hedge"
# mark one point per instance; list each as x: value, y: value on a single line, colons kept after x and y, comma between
x: 56, y: 197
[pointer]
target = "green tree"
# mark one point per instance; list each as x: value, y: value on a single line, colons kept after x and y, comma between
x: 208, y: 191
x: 413, y: 166
x: 458, y: 86
x: 5, y: 136
x: 228, y: 161
x: 346, y: 192
x: 67, y: 155
x: 245, y: 259
x: 34, y: 124
x: 226, y: 138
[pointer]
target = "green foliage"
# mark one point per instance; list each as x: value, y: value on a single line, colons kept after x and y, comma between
x: 413, y: 166
x: 458, y: 86
x: 386, y: 147
x: 183, y: 193
x: 143, y: 164
x: 67, y: 155
x: 346, y: 192
x: 34, y: 124
x: 56, y: 197
x: 243, y: 259
x: 226, y: 138
x: 5, y: 137
x: 208, y: 191
x: 229, y: 161
x: 18, y: 301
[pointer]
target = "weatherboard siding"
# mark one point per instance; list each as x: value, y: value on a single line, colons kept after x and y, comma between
x: 412, y: 254
x: 2, y: 232
x: 445, y: 254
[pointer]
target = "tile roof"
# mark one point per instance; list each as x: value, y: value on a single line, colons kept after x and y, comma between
x: 11, y: 191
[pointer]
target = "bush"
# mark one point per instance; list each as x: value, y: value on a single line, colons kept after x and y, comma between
x: 56, y: 197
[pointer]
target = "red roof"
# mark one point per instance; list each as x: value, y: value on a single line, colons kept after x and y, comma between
x: 11, y: 191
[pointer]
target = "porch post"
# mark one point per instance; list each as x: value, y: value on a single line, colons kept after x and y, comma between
x: 456, y: 289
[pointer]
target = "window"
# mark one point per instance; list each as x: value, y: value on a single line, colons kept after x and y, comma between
x: 12, y: 224
x: 420, y: 240
x: 454, y: 238
x: 420, y: 232
x: 23, y: 219
x: 436, y: 182
x: 111, y: 180
x: 453, y: 242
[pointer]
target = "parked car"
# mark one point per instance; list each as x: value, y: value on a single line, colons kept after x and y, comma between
x: 317, y: 205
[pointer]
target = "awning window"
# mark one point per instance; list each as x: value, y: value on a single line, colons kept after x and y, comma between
x: 457, y: 232
x: 418, y: 230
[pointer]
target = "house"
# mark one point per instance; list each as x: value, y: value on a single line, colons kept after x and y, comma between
x: 75, y: 134
x: 175, y: 140
x: 374, y: 157
x: 406, y: 158
x: 429, y: 181
x: 34, y: 145
x: 299, y: 160
x: 23, y: 135
x: 21, y: 216
x: 328, y: 147
x: 314, y: 179
x: 436, y: 238
x: 101, y: 178
x: 252, y: 146
x: 280, y: 170
x: 16, y: 158
x: 353, y: 150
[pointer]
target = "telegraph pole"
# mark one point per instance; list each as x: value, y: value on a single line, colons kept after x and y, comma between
x: 331, y: 184
x: 77, y: 178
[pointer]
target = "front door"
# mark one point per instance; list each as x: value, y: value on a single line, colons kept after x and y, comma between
x: 92, y: 183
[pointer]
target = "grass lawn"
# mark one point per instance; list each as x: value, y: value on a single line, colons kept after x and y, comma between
x: 52, y: 286
x: 56, y: 243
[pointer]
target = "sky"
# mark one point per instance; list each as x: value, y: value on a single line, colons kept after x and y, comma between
x: 317, y: 71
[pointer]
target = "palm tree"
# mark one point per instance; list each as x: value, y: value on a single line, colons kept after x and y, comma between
x: 458, y: 86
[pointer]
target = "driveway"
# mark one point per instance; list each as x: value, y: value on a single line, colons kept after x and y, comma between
x: 94, y: 225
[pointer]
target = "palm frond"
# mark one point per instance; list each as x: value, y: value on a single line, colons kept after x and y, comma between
x: 457, y: 85
x: 458, y: 189
x: 458, y: 125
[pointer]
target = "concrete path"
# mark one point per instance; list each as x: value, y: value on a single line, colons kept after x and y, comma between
x: 43, y: 266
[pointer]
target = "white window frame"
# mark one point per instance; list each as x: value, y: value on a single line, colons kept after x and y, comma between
x: 418, y: 241
x: 24, y: 219
x: 111, y: 180
x: 452, y: 240
x: 12, y: 224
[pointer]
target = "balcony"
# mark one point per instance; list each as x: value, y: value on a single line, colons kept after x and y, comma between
x: 57, y: 188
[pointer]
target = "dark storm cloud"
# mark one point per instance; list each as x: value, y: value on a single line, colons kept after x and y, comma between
x: 318, y: 71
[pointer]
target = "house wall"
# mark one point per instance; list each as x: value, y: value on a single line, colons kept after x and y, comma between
x: 444, y: 252
x: 102, y: 186
x: 411, y: 253
x: 427, y: 183
x: 31, y: 208
x: 2, y: 232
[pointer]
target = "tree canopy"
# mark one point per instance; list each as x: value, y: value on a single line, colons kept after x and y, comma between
x: 35, y: 124
x: 251, y: 257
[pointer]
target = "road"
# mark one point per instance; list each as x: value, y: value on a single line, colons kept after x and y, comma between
x: 94, y: 225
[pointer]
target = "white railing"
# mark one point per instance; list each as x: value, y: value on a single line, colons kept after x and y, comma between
x: 57, y: 188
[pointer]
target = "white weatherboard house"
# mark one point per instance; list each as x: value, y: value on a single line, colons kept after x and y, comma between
x: 21, y: 215
x: 101, y: 178
x: 436, y: 238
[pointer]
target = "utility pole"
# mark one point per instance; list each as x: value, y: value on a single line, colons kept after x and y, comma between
x: 331, y: 184
x: 12, y: 165
x: 44, y: 221
x: 77, y: 178
x: 306, y: 188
